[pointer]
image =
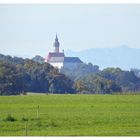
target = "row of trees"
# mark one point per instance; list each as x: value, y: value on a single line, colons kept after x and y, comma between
x: 18, y: 75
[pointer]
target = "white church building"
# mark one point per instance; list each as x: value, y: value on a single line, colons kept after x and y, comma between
x: 59, y: 60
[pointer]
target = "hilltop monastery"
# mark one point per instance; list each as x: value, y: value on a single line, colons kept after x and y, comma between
x: 59, y: 60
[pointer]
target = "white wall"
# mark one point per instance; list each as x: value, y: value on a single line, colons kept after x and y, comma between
x: 57, y: 64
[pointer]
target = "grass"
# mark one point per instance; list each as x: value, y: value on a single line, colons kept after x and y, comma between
x: 71, y: 115
x: 10, y: 118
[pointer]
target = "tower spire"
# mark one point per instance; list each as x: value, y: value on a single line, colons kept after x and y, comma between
x: 56, y: 38
x: 56, y: 44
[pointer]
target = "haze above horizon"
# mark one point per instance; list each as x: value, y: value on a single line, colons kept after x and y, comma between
x: 30, y: 29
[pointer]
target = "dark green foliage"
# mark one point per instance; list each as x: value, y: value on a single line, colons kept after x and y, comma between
x: 45, y: 78
x: 96, y: 84
x: 108, y: 81
x: 10, y: 118
x: 13, y: 60
x: 11, y: 79
x: 30, y: 76
x: 38, y: 76
x: 38, y: 59
x: 125, y: 79
x: 19, y: 76
x: 61, y: 84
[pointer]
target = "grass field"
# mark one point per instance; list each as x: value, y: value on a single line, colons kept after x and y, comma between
x: 70, y: 115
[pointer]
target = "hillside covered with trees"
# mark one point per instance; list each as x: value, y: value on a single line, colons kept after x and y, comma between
x: 18, y: 75
x: 89, y: 78
x: 108, y: 81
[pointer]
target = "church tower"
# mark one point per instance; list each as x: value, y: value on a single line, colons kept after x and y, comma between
x: 58, y: 59
x: 56, y: 45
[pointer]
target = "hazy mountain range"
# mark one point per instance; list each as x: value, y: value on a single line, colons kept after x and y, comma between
x: 123, y: 57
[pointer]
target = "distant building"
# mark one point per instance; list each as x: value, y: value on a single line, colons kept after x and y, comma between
x: 58, y: 59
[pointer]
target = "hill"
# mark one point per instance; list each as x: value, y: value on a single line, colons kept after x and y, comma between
x: 19, y: 75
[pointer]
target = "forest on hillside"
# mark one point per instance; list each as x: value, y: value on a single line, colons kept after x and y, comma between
x: 18, y: 76
x: 89, y: 78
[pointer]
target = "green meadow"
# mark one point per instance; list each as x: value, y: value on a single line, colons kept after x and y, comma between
x: 70, y: 115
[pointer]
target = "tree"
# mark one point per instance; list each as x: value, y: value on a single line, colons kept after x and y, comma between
x: 10, y: 79
x: 31, y: 76
x: 94, y: 83
x: 60, y: 84
x: 127, y: 80
x: 38, y: 59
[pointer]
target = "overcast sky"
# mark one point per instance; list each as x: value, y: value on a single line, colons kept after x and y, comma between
x: 28, y: 30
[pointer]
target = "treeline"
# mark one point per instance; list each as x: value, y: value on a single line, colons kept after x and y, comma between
x: 19, y: 75
x: 89, y: 79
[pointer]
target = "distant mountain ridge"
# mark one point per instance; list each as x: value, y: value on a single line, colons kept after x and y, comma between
x: 123, y: 57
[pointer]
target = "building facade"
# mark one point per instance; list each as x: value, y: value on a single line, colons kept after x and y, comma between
x: 59, y: 60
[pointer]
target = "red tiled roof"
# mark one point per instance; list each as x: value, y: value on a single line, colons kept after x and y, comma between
x: 53, y: 54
